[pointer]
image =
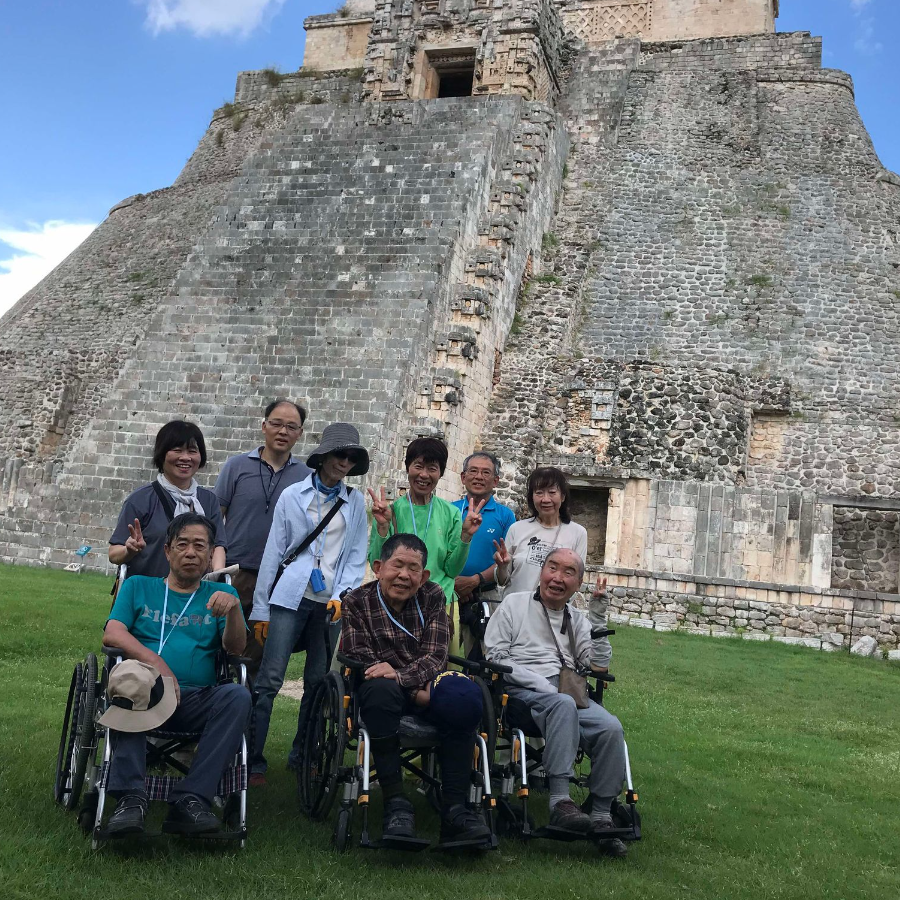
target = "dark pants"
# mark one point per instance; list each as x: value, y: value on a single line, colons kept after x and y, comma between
x: 286, y: 627
x: 221, y: 713
x: 244, y: 582
x: 382, y: 703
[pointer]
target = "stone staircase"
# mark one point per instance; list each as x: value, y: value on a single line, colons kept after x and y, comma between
x: 326, y: 276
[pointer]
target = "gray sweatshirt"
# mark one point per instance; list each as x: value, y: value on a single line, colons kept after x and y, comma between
x: 517, y: 636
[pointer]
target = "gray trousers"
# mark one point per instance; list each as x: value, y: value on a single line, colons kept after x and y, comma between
x: 565, y: 727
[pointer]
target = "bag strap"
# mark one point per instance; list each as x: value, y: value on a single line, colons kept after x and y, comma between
x: 323, y: 524
x: 562, y: 659
x: 168, y: 504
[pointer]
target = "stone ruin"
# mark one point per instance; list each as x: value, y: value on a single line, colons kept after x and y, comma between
x: 648, y: 241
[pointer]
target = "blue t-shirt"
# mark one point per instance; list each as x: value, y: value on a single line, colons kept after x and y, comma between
x: 495, y: 521
x: 190, y: 645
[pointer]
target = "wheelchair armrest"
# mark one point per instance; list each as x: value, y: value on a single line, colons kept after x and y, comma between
x: 233, y: 660
x: 602, y: 676
x: 601, y: 632
x: 351, y: 663
x: 112, y: 653
x: 479, y: 666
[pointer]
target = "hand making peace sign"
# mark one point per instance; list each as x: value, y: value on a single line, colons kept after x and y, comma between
x: 135, y: 542
x: 381, y: 512
x: 473, y: 519
x: 599, y: 588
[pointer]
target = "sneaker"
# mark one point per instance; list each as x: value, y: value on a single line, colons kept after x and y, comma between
x: 257, y: 779
x: 567, y: 815
x: 459, y: 823
x: 399, y: 819
x: 609, y: 846
x: 128, y: 817
x: 190, y: 815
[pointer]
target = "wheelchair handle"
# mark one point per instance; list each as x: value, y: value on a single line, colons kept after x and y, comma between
x: 602, y: 632
x: 603, y: 676
x: 479, y: 665
x: 351, y: 663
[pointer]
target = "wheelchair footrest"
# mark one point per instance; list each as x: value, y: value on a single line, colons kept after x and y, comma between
x: 406, y: 844
x: 482, y: 844
x: 554, y: 833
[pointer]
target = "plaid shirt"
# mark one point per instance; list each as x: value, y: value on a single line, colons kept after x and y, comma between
x: 368, y: 634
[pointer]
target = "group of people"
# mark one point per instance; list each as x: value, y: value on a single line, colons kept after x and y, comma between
x: 300, y: 537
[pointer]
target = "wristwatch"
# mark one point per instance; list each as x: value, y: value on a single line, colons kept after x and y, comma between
x: 481, y: 581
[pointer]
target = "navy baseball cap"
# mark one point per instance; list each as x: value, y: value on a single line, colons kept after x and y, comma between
x: 456, y: 699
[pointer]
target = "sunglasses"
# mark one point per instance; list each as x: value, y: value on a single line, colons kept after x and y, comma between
x: 346, y: 454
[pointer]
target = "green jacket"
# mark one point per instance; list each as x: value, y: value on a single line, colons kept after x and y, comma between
x: 447, y: 554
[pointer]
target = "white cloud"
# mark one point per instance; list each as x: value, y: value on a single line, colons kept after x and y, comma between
x: 208, y: 17
x: 31, y: 253
x: 865, y: 42
x: 857, y: 5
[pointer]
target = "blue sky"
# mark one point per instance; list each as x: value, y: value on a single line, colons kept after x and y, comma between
x: 108, y: 98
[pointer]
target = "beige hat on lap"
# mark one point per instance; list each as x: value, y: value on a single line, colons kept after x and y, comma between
x: 140, y: 699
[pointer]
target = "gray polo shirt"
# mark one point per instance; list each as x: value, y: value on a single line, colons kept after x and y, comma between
x: 246, y: 486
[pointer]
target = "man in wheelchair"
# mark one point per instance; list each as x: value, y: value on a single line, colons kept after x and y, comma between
x: 169, y: 630
x: 545, y: 640
x: 398, y: 627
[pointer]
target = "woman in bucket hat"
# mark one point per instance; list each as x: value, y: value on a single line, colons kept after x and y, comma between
x: 316, y: 550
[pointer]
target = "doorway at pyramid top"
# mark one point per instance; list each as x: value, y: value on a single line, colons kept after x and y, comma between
x: 432, y: 49
x: 444, y: 73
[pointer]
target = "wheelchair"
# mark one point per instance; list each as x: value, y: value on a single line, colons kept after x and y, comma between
x: 85, y: 752
x: 518, y: 769
x: 336, y: 763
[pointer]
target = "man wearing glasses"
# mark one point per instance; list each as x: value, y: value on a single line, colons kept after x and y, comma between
x: 315, y: 552
x: 248, y: 489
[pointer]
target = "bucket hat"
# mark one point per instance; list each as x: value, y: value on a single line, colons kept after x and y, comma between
x: 140, y: 699
x: 340, y: 436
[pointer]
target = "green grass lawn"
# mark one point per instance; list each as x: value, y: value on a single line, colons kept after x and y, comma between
x: 764, y: 771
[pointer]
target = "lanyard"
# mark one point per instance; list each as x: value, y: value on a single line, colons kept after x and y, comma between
x: 390, y: 616
x: 162, y: 624
x: 412, y: 512
x: 270, y: 494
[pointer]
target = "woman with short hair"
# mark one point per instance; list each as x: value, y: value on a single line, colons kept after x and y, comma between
x: 138, y: 540
x: 520, y: 557
x: 420, y: 512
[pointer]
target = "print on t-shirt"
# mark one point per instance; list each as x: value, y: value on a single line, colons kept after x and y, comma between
x: 537, y: 551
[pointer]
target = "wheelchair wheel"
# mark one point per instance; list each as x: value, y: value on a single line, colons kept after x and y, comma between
x: 511, y: 821
x: 76, y: 742
x: 342, y: 834
x: 324, y: 742
x: 88, y: 812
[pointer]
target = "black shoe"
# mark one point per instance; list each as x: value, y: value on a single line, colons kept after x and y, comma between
x: 459, y: 823
x: 609, y: 846
x: 399, y: 819
x: 190, y: 815
x: 567, y: 815
x: 128, y: 817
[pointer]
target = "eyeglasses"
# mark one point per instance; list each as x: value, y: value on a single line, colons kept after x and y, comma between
x: 345, y: 454
x: 289, y: 427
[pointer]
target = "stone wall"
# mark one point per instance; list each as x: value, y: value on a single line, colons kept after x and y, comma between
x: 866, y: 550
x: 63, y: 344
x: 595, y: 21
x: 823, y: 619
x: 336, y: 40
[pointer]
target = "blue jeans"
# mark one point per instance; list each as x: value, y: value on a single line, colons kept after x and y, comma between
x: 286, y: 627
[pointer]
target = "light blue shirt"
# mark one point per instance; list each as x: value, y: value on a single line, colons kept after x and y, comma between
x: 495, y: 521
x: 290, y: 525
